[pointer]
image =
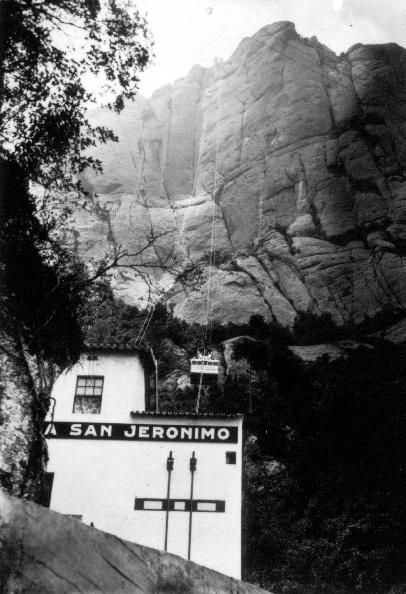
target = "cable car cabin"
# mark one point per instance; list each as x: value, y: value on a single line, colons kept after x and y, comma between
x: 204, y: 369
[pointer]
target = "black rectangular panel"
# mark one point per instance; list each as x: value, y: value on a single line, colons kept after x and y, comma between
x: 198, y: 505
x: 142, y: 432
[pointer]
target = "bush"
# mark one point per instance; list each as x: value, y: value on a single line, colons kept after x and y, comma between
x: 309, y: 328
x: 334, y: 519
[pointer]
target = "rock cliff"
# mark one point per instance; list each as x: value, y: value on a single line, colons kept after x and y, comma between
x: 288, y: 159
x: 43, y: 552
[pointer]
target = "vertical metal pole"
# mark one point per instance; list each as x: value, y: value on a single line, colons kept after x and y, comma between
x: 193, y: 462
x: 199, y: 392
x: 156, y: 387
x: 169, y: 468
x: 250, y: 409
x: 201, y: 379
x: 156, y: 379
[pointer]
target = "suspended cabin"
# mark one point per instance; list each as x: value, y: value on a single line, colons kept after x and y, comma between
x: 204, y: 369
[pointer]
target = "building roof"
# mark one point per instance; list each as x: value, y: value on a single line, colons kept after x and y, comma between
x: 113, y: 345
x: 144, y: 352
x: 178, y: 414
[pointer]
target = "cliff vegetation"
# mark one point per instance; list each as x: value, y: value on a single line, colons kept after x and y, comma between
x: 325, y: 441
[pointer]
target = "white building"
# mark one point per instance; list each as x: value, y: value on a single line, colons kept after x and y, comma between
x: 172, y: 482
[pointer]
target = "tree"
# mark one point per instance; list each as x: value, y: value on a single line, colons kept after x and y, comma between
x: 51, y: 53
x: 43, y: 75
x: 329, y: 516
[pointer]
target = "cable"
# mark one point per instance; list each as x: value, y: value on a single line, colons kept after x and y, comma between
x: 148, y: 318
x: 213, y: 221
x: 282, y: 52
x: 143, y: 325
x: 196, y: 174
x: 213, y: 292
x: 320, y: 73
x: 179, y: 230
x: 211, y: 255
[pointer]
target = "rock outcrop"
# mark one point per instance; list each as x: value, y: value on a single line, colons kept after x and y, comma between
x: 288, y: 160
x: 43, y: 552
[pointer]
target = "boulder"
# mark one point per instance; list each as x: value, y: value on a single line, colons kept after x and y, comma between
x: 43, y: 552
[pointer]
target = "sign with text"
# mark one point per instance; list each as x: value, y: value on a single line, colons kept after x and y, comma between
x: 142, y: 432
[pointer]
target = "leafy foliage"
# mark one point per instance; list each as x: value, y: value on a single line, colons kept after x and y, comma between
x: 325, y: 454
x: 42, y: 286
x: 50, y: 52
x: 333, y: 515
x: 309, y: 328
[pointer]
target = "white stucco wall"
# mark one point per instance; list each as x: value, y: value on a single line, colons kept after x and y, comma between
x: 123, y: 389
x: 99, y: 479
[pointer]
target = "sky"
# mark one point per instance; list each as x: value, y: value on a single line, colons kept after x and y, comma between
x: 188, y: 32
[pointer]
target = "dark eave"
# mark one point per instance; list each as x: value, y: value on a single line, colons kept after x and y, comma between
x: 112, y: 347
x: 122, y: 348
x: 189, y: 415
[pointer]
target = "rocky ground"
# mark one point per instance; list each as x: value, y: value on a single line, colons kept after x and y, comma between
x: 43, y: 552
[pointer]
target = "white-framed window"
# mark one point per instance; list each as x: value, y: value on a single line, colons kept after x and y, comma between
x: 88, y: 394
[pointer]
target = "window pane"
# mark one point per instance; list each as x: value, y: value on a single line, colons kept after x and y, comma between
x: 207, y: 506
x: 231, y: 457
x: 88, y: 394
x: 87, y: 405
x: 152, y: 504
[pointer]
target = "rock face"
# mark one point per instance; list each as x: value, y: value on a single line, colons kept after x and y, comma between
x: 287, y: 159
x: 43, y: 552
